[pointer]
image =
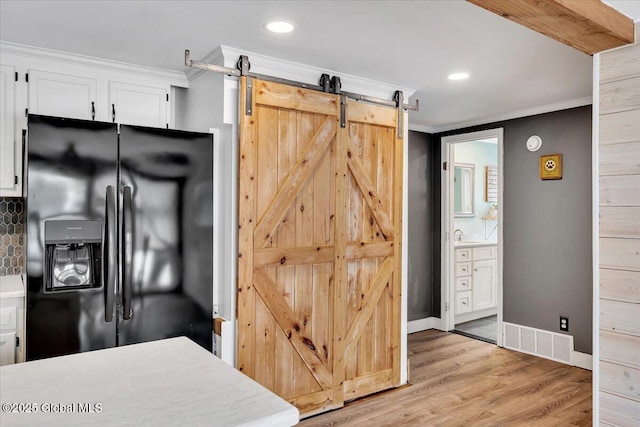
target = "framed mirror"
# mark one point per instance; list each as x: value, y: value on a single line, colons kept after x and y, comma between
x: 463, y: 194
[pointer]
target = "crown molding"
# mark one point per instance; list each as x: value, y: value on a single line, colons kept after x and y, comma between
x: 174, y: 78
x: 534, y: 111
x: 422, y: 128
x: 289, y: 70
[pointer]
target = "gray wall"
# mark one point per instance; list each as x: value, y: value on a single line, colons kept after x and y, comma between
x: 547, y: 224
x: 421, y: 240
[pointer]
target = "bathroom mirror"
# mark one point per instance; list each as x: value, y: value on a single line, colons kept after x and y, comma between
x: 463, y: 190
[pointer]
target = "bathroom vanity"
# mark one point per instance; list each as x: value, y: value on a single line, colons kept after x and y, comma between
x: 476, y: 280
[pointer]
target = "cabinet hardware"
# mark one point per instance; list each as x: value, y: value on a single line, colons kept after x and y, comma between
x: 17, y: 341
x: 93, y: 110
x: 15, y: 179
x: 167, y: 97
x: 444, y: 166
x: 16, y: 76
x: 26, y: 112
x: 113, y: 113
x: 398, y: 96
x: 26, y: 77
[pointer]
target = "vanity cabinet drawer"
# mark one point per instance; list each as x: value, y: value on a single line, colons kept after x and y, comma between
x: 463, y: 269
x: 463, y: 284
x: 463, y: 302
x: 485, y: 252
x: 463, y: 255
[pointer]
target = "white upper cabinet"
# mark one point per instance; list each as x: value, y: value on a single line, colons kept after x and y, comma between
x: 9, y: 185
x: 61, y: 84
x: 138, y: 105
x: 63, y: 95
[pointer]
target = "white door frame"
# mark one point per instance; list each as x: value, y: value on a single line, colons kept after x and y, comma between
x: 447, y: 249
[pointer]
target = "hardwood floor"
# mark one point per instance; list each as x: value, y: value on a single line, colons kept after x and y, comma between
x: 459, y: 381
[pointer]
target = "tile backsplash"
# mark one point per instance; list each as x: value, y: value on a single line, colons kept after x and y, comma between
x: 11, y: 236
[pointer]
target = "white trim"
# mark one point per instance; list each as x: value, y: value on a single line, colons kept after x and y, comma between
x: 424, y: 324
x: 595, y: 221
x: 582, y: 360
x: 262, y: 64
x: 447, y: 247
x: 174, y: 78
x: 563, y: 105
x: 404, y: 362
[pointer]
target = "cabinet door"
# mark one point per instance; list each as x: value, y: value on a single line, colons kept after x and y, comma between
x: 7, y: 348
x: 138, y: 105
x: 8, y: 170
x: 484, y: 284
x: 62, y: 95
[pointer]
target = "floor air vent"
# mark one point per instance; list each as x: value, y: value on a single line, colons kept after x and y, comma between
x: 538, y: 342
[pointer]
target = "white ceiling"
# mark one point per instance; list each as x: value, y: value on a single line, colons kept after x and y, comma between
x: 414, y: 44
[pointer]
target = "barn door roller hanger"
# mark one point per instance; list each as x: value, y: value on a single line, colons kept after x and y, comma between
x: 326, y: 84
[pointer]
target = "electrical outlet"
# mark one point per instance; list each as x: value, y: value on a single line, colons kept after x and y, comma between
x: 564, y: 323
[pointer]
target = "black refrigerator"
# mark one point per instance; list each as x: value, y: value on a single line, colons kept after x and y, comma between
x: 119, y: 235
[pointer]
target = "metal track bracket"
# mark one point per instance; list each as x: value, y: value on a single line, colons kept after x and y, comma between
x: 334, y: 86
x: 398, y: 96
x: 248, y: 102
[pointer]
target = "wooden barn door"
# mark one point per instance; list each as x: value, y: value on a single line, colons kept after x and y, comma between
x: 319, y: 248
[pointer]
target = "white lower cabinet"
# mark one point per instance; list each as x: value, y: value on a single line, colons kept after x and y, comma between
x: 476, y: 283
x: 11, y: 330
x: 484, y: 284
x: 7, y: 348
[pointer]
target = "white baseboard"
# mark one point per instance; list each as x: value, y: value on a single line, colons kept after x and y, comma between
x: 424, y: 324
x: 582, y: 360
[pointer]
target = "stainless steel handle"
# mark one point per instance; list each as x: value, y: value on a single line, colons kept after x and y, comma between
x: 127, y: 252
x: 109, y: 255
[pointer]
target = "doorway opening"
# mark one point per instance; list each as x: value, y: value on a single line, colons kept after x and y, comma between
x: 472, y: 191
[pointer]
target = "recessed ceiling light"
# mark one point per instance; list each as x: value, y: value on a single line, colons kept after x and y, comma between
x: 458, y: 76
x: 279, y: 27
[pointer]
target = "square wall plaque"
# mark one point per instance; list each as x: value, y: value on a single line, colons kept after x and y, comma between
x: 551, y: 166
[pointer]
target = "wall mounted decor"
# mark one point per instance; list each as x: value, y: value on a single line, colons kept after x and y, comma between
x: 491, y: 184
x: 551, y: 166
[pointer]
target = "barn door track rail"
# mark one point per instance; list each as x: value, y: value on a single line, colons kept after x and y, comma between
x: 326, y: 84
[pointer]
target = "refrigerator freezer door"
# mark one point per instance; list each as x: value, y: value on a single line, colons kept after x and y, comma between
x: 170, y: 176
x: 70, y: 164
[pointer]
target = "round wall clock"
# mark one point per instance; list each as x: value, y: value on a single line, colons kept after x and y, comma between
x: 534, y: 143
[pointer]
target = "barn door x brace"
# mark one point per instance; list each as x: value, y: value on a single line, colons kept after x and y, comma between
x: 326, y: 84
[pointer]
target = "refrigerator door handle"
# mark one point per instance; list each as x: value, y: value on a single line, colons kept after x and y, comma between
x: 109, y: 257
x: 127, y: 253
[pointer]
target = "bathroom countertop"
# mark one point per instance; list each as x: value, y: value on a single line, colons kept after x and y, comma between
x: 473, y: 244
x: 11, y: 286
x: 167, y: 382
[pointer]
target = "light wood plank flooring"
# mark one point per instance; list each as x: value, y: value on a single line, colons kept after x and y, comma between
x: 459, y: 381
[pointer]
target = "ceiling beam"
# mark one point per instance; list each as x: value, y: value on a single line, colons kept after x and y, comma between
x: 587, y: 25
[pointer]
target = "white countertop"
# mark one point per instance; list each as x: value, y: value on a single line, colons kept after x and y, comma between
x: 166, y: 382
x: 473, y: 244
x: 11, y: 286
